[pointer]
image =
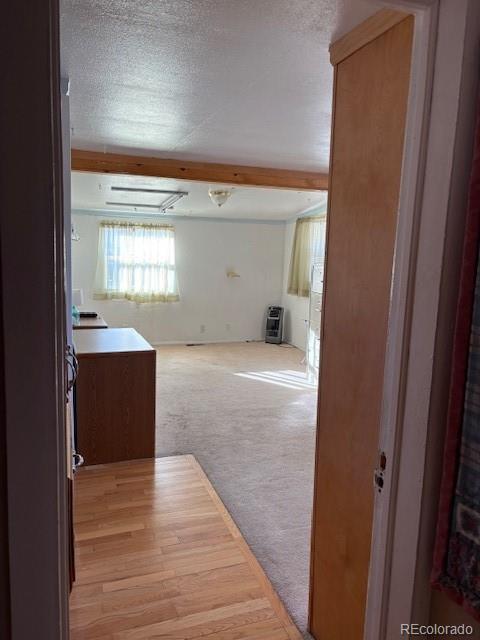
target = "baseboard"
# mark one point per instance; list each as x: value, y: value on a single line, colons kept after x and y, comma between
x: 186, y: 342
x: 166, y: 343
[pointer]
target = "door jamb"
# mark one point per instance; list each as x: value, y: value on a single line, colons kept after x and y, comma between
x: 423, y: 208
x: 402, y: 291
x: 31, y: 276
x: 401, y: 304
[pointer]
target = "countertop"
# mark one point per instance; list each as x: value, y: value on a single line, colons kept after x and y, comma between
x: 106, y: 341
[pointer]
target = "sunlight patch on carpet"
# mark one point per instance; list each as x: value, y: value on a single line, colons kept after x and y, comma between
x: 287, y: 378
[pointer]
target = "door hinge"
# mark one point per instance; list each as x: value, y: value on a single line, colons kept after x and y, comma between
x: 379, y: 473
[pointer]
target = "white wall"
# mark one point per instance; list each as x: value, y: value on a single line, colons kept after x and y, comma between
x: 228, y: 308
x: 296, y: 308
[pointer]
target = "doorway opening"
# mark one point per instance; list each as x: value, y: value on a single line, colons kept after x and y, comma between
x: 225, y: 278
x: 242, y: 404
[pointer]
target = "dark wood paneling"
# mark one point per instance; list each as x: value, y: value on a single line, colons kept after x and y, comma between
x: 5, y: 622
x: 116, y: 407
x: 31, y: 237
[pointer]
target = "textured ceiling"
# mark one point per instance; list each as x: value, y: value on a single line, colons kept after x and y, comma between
x: 240, y: 81
x: 92, y: 191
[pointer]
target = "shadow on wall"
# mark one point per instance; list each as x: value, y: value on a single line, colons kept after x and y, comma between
x: 287, y: 325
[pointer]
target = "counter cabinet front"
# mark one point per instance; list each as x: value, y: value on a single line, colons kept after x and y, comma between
x: 115, y: 396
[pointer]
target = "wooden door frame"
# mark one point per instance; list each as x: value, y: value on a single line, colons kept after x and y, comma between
x: 395, y: 593
x: 400, y: 316
x: 387, y: 27
x: 5, y: 602
x: 33, y: 309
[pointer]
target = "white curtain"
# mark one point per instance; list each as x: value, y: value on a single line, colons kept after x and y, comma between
x: 308, y: 247
x: 136, y: 262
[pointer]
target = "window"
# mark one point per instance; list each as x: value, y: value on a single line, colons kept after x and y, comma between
x: 308, y: 250
x: 136, y: 262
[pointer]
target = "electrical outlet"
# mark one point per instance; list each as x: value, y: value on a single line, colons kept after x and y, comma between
x: 202, y: 328
x: 227, y: 326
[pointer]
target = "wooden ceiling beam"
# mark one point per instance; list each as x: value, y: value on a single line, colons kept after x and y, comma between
x: 99, y: 162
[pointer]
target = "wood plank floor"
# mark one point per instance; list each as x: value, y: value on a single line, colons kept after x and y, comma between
x: 158, y: 556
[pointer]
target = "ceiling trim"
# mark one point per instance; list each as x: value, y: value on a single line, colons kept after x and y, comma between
x: 99, y: 162
x: 364, y: 33
x: 141, y: 215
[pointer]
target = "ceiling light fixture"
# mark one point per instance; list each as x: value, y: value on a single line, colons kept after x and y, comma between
x: 168, y: 203
x: 135, y: 204
x: 148, y: 190
x: 219, y: 196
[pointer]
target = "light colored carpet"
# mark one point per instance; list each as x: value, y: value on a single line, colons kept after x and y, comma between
x: 247, y: 414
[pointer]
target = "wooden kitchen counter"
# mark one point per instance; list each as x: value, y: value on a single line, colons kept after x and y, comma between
x: 115, y: 395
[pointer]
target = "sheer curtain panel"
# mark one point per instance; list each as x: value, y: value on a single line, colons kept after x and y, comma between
x: 308, y: 247
x: 136, y: 262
